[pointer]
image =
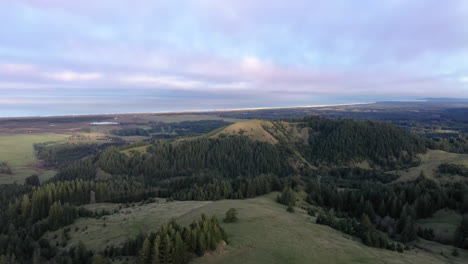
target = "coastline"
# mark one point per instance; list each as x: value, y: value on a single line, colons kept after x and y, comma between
x: 190, y: 111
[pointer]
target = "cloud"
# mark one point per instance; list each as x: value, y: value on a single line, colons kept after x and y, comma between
x: 73, y: 76
x: 265, y: 48
x: 161, y: 81
x: 15, y: 68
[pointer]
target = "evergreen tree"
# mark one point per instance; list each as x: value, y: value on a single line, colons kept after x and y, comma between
x: 367, y: 239
x: 180, y: 252
x: 156, y: 252
x: 461, y: 234
x: 365, y: 221
x: 145, y: 252
x: 231, y: 216
x: 287, y: 197
x: 166, y: 250
x: 409, y: 231
x: 56, y: 216
x: 25, y: 206
x: 201, y: 245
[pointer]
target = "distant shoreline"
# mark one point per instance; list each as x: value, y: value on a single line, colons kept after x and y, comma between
x: 189, y: 111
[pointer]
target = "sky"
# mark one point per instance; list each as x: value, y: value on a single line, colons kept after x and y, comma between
x: 74, y: 57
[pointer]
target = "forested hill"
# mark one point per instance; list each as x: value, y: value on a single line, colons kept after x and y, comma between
x: 227, y: 156
x: 340, y: 141
x: 322, y: 141
x: 260, y: 147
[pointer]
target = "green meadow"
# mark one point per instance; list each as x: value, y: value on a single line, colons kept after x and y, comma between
x: 430, y: 163
x: 18, y: 151
x: 444, y: 223
x: 265, y: 233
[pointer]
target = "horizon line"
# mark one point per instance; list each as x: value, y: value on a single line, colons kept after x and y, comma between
x: 202, y: 111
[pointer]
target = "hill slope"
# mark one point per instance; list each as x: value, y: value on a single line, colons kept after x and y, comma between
x: 265, y: 233
x: 254, y: 129
x: 261, y: 236
x: 337, y: 142
x: 269, y: 131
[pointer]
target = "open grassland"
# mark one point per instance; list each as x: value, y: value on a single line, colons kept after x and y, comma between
x: 268, y: 234
x: 444, y: 223
x: 18, y: 151
x: 268, y: 131
x: 252, y: 128
x: 430, y: 163
x: 126, y: 223
x: 265, y: 233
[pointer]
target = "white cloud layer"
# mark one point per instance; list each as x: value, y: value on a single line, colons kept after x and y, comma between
x: 254, y: 48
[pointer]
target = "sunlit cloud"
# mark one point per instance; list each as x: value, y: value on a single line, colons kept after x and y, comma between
x: 171, y: 81
x: 235, y: 50
x: 73, y: 76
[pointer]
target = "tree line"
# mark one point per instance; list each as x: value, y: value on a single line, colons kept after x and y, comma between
x: 340, y: 141
x: 215, y: 188
x: 27, y: 212
x: 228, y: 156
x: 455, y: 144
x: 161, y: 130
x: 172, y: 243
x: 453, y: 169
x: 346, y: 177
x: 394, y: 208
x: 59, y: 155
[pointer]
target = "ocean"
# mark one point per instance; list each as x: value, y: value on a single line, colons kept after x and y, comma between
x: 40, y: 103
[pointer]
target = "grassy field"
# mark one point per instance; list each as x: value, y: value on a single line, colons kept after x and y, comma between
x: 430, y: 162
x: 128, y: 222
x: 18, y: 151
x: 444, y: 223
x: 265, y: 233
x: 268, y: 234
x: 252, y: 128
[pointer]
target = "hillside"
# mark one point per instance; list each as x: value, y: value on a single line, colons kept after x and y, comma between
x: 430, y: 163
x: 321, y: 141
x: 261, y: 147
x: 260, y: 235
x: 255, y: 129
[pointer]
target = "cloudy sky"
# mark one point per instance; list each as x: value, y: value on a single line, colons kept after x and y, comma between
x: 212, y: 54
